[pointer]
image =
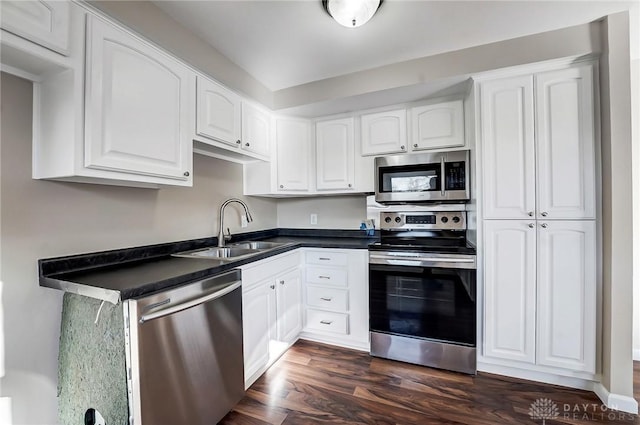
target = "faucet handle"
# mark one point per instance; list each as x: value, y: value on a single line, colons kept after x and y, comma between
x: 227, y: 237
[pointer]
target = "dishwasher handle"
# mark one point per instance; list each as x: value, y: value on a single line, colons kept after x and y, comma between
x: 190, y: 303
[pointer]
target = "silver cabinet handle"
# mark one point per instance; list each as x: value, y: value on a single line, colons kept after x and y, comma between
x: 349, y: 185
x: 415, y: 145
x: 325, y: 299
x: 186, y: 174
x: 544, y: 214
x: 191, y: 303
x: 531, y: 225
x: 326, y: 322
x: 324, y: 277
x: 402, y: 147
x: 238, y: 142
x: 282, y: 282
x: 544, y: 225
x: 247, y: 144
x: 272, y: 286
x: 324, y: 258
x: 530, y: 213
x: 281, y: 186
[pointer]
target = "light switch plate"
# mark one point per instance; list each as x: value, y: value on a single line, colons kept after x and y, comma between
x: 313, y: 219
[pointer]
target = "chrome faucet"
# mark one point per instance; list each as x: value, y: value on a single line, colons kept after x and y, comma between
x: 222, y: 238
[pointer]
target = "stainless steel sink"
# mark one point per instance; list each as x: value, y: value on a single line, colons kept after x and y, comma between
x: 258, y: 245
x: 232, y: 252
x: 220, y: 253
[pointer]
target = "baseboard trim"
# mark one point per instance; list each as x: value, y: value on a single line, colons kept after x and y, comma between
x: 636, y: 354
x: 616, y: 401
x: 359, y: 346
x: 531, y: 375
x: 5, y: 410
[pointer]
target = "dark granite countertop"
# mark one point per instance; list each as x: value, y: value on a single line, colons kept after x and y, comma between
x: 134, y: 272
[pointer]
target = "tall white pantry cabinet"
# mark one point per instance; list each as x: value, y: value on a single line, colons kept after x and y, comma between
x: 538, y: 143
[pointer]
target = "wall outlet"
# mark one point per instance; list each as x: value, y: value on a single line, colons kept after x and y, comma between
x: 243, y: 221
x: 313, y: 219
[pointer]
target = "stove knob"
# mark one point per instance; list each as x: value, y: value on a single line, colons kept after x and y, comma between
x: 398, y: 219
x: 456, y: 219
x: 387, y: 220
x: 444, y: 219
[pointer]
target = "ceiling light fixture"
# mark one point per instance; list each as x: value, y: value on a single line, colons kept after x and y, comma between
x: 351, y: 13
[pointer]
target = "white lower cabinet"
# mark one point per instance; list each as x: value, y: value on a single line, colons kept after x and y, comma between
x: 336, y: 297
x: 288, y: 306
x: 540, y: 295
x: 271, y: 310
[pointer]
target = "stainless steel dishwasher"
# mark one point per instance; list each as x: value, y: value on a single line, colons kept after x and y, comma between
x: 184, y: 353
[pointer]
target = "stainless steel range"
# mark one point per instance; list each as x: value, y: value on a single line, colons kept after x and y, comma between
x: 422, y: 290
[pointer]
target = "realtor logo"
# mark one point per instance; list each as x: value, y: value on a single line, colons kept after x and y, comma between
x: 544, y: 409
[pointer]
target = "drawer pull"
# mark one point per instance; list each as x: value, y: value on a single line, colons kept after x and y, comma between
x: 326, y: 322
x: 325, y: 299
x: 324, y: 277
x: 324, y: 258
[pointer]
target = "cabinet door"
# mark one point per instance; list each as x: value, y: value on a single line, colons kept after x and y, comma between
x: 438, y: 126
x: 567, y: 295
x: 137, y: 99
x: 218, y: 113
x: 565, y: 144
x: 510, y: 290
x: 256, y: 315
x: 288, y: 305
x: 335, y: 157
x: 292, y: 145
x: 255, y: 130
x: 43, y: 22
x: 384, y: 132
x: 508, y: 148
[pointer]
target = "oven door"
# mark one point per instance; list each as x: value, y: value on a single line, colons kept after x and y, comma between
x: 437, y: 303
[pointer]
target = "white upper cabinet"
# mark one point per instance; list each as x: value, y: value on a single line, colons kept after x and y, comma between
x: 567, y: 295
x: 335, y: 157
x: 293, y: 139
x: 229, y: 127
x: 438, y: 126
x: 510, y: 290
x: 256, y: 124
x: 42, y: 22
x: 384, y: 132
x: 508, y: 148
x: 137, y: 106
x: 544, y: 170
x: 565, y: 144
x: 218, y: 112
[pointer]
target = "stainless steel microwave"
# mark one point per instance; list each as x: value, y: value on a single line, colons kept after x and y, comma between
x: 425, y: 177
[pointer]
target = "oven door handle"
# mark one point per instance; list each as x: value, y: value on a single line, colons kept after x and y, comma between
x: 413, y: 263
x: 446, y: 262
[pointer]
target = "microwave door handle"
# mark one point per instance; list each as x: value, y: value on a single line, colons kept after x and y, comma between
x: 442, y: 176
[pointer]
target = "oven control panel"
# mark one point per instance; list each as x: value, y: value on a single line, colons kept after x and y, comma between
x: 434, y: 220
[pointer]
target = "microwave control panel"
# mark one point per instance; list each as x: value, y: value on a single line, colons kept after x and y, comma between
x: 434, y: 220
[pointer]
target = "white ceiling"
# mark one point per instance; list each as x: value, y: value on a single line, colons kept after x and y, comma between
x: 287, y: 43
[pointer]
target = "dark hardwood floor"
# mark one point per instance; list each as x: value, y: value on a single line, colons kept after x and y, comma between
x: 319, y: 384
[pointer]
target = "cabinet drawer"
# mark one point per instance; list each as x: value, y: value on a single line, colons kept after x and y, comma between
x: 327, y: 321
x: 327, y: 276
x: 327, y: 298
x: 327, y: 258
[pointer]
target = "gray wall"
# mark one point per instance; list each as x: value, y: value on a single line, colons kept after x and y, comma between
x: 336, y: 212
x: 617, y: 206
x: 45, y: 219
